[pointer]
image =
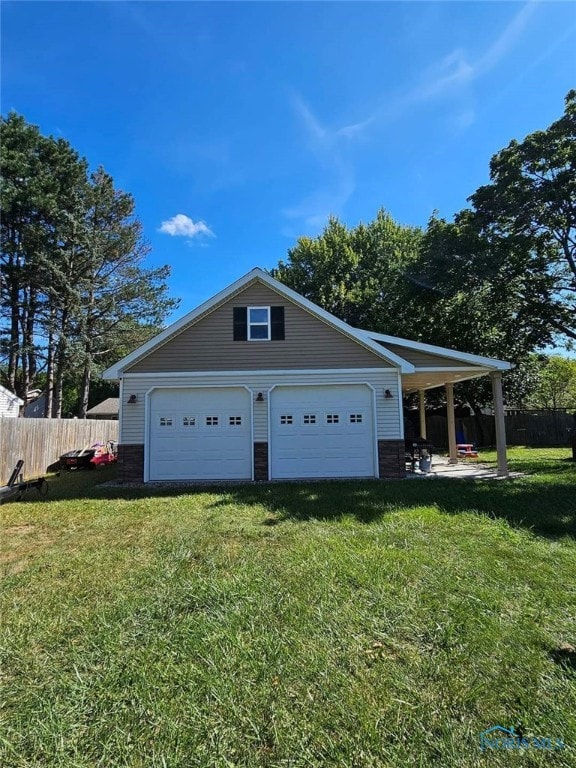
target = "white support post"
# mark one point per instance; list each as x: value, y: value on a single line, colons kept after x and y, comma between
x: 422, y: 410
x: 496, y: 377
x: 453, y: 453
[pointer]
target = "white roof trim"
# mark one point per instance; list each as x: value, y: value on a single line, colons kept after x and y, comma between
x: 487, y: 362
x: 115, y: 371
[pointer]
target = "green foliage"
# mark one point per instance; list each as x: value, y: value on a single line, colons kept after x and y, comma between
x: 556, y: 385
x: 529, y: 210
x: 74, y: 288
x: 358, y: 273
x: 498, y: 281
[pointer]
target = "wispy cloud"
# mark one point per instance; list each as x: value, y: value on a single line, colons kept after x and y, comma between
x: 457, y: 70
x: 322, y: 134
x: 183, y: 226
x: 314, y: 210
x: 506, y: 40
x: 449, y: 77
x: 329, y: 146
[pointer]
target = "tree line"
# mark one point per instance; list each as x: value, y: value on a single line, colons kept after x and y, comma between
x: 498, y: 280
x: 74, y: 292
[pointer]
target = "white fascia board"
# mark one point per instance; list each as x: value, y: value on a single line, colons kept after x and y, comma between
x: 237, y: 375
x: 115, y: 371
x: 488, y: 362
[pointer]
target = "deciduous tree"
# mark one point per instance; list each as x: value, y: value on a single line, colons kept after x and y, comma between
x: 529, y: 210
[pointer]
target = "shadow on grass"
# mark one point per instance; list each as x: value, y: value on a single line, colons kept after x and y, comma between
x: 544, y: 502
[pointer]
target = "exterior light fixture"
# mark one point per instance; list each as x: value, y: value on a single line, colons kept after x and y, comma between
x: 132, y: 399
x: 259, y: 397
x: 388, y: 395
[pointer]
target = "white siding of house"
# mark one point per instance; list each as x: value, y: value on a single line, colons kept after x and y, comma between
x: 388, y: 411
x: 9, y: 404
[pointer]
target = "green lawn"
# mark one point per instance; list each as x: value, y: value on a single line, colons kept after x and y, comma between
x: 364, y: 624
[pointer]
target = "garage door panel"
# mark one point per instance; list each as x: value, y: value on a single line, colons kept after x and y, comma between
x: 208, y: 436
x: 322, y: 431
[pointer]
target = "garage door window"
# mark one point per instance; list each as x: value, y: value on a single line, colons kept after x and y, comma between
x: 235, y: 421
x: 309, y: 418
x: 165, y: 421
x: 189, y: 421
x: 332, y: 418
x: 355, y: 418
x: 286, y: 419
x: 211, y: 421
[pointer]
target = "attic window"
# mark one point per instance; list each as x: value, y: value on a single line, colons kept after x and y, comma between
x: 258, y: 323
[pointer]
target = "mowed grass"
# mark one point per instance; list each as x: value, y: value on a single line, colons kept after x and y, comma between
x: 331, y: 624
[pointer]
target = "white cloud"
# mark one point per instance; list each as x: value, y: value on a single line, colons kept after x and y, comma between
x: 183, y: 226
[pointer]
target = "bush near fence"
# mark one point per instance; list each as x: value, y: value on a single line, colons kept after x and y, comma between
x: 536, y: 429
x: 41, y: 442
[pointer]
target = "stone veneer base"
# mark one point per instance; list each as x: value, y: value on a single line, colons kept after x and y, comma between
x: 391, y: 458
x: 261, y: 461
x: 130, y: 463
x: 391, y: 461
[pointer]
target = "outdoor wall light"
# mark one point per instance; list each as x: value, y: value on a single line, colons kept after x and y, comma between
x: 132, y: 399
x: 388, y: 395
x: 259, y: 397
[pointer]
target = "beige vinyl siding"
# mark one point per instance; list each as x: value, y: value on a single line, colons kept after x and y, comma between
x: 425, y: 359
x: 208, y: 344
x: 389, y: 426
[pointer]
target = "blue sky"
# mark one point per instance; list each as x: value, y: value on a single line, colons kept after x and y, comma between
x: 252, y: 122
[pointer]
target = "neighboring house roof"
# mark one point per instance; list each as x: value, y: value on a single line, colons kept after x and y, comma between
x: 257, y: 274
x: 36, y: 405
x: 420, y: 364
x: 106, y: 409
x: 10, y: 395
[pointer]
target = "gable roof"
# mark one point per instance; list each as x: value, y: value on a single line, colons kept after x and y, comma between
x: 257, y: 274
x: 108, y: 407
x: 462, y: 357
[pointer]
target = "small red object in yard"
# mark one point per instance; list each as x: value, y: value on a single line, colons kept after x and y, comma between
x: 467, y: 450
x: 104, y: 454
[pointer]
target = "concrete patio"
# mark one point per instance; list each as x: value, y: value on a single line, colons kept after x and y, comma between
x: 462, y: 470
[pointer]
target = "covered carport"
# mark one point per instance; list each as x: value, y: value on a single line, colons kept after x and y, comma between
x: 440, y: 367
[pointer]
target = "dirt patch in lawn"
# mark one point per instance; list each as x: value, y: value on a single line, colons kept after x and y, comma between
x: 14, y: 530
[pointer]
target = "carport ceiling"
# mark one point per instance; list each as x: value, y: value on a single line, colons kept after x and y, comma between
x: 412, y: 382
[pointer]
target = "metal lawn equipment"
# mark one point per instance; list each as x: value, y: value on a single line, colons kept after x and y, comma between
x: 13, y: 490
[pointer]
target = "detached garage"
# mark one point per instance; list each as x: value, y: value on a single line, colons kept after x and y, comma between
x: 259, y: 383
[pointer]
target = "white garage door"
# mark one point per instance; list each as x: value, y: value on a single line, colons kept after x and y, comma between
x: 322, y: 431
x: 200, y: 434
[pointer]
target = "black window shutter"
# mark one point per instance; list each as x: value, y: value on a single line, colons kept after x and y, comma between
x: 240, y: 323
x: 277, y: 323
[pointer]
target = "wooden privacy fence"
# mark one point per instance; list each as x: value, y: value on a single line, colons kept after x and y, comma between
x: 41, y: 442
x: 532, y: 428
